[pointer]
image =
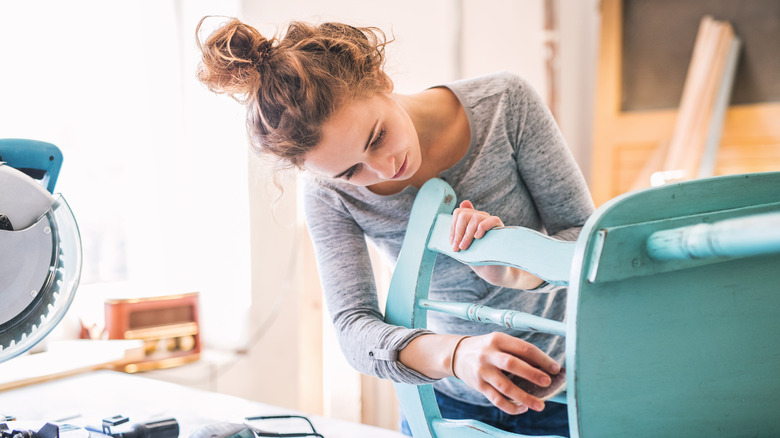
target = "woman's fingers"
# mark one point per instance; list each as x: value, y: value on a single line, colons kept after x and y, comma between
x: 491, y: 381
x: 507, y: 405
x: 468, y: 234
x: 460, y: 218
x: 526, y: 361
x: 527, y: 353
x: 468, y: 224
x: 486, y: 225
x: 512, y: 397
x: 542, y: 364
x: 523, y: 369
x: 487, y: 363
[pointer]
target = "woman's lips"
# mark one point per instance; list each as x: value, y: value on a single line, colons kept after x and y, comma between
x: 402, y: 169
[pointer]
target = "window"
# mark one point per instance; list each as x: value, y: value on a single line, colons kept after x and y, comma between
x: 155, y: 166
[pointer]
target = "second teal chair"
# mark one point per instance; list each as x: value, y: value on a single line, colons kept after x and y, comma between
x: 673, y: 319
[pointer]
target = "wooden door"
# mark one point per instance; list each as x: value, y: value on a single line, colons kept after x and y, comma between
x: 627, y: 131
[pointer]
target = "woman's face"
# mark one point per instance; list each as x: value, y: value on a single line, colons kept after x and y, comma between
x: 366, y: 142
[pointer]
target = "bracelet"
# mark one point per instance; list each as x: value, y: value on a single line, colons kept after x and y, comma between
x: 452, y: 357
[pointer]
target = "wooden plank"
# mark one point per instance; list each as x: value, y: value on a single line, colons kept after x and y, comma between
x: 707, y: 162
x: 692, y: 95
x: 697, y: 107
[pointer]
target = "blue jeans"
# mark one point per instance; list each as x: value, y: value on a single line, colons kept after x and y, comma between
x: 553, y: 420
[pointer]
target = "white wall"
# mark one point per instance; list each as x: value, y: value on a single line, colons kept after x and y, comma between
x: 579, y: 23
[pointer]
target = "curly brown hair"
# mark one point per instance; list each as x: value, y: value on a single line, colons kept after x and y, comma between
x: 292, y: 84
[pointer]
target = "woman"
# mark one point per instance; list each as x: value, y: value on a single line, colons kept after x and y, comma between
x: 318, y: 99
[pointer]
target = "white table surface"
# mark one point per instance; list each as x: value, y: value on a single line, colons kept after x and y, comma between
x: 85, y: 399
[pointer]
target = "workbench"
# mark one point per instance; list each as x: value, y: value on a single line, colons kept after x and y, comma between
x: 85, y: 399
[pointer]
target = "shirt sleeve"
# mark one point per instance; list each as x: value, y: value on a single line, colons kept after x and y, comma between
x: 549, y: 170
x: 370, y: 345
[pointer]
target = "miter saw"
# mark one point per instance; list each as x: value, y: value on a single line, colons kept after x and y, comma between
x: 40, y: 246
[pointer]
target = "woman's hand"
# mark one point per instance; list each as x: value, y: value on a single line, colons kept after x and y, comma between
x: 483, y: 361
x: 469, y: 224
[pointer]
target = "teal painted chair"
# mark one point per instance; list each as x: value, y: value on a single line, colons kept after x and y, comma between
x: 673, y: 318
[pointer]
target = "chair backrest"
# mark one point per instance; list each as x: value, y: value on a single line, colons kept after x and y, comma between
x: 672, y: 313
x: 407, y: 303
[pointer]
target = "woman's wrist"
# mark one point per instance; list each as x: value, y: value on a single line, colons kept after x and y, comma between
x: 431, y: 354
x: 452, y: 356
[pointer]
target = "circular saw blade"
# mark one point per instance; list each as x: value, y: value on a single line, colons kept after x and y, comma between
x: 31, y: 302
x: 40, y: 260
x: 25, y: 263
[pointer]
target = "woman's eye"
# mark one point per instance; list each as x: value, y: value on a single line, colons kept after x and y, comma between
x: 352, y: 171
x: 378, y: 140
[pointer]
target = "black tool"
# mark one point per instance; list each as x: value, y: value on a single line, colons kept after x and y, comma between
x: 50, y: 430
x: 165, y: 428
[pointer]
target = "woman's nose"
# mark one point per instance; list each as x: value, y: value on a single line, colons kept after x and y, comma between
x: 383, y: 165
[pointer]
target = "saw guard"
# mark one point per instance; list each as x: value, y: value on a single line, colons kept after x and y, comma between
x: 56, y: 294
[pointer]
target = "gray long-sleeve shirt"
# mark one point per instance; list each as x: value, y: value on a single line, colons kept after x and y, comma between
x: 517, y: 167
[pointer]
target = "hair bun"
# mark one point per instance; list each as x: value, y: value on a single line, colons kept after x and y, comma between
x: 262, y: 52
x: 232, y: 57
